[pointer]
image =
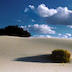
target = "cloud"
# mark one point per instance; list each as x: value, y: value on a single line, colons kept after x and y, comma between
x: 43, y: 36
x: 45, y: 29
x: 63, y: 17
x: 59, y: 34
x: 26, y: 10
x: 60, y: 15
x: 44, y: 11
x: 19, y: 20
x: 59, y: 12
x: 31, y: 7
x: 39, y: 29
x: 70, y: 26
x: 33, y: 20
x: 66, y: 35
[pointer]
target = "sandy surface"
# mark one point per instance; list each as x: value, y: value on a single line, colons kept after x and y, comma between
x: 27, y: 51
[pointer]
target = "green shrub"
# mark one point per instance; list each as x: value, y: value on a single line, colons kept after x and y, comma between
x: 60, y: 56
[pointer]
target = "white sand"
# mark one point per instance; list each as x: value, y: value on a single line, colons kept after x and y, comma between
x: 16, y: 47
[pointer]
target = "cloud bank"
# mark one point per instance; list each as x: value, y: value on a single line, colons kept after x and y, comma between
x: 60, y: 15
x: 59, y: 12
x: 39, y: 29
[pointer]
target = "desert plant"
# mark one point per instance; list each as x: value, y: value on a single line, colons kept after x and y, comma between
x: 60, y: 56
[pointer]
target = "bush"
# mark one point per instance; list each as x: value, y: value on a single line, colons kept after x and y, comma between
x: 60, y: 56
x: 14, y: 31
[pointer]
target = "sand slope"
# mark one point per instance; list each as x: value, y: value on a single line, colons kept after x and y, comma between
x: 12, y: 48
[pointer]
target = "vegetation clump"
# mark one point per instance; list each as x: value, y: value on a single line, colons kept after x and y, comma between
x: 14, y: 31
x: 60, y: 56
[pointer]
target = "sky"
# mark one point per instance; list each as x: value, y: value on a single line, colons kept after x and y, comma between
x: 42, y: 18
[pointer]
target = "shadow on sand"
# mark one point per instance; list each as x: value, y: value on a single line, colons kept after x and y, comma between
x: 37, y: 59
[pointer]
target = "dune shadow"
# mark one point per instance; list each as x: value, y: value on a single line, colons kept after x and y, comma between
x: 38, y: 59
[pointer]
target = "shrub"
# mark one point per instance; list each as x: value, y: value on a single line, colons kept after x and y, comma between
x: 14, y: 31
x: 2, y: 32
x: 60, y: 56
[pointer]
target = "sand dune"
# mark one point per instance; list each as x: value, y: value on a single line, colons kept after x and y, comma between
x: 26, y: 49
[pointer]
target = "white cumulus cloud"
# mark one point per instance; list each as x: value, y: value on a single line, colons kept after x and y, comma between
x: 59, y: 12
x: 60, y: 15
x: 44, y: 11
x: 45, y: 29
x: 40, y: 29
x: 31, y: 7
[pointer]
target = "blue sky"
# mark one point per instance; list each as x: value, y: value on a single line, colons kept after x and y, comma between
x: 42, y: 18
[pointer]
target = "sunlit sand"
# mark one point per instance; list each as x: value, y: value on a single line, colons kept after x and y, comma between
x: 12, y: 48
